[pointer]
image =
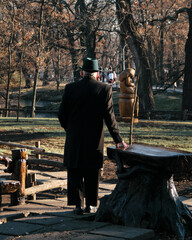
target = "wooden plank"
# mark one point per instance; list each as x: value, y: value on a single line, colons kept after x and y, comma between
x: 21, y: 146
x: 45, y: 186
x: 45, y: 162
x: 50, y: 154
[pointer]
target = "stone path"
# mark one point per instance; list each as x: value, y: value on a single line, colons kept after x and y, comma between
x: 52, y: 218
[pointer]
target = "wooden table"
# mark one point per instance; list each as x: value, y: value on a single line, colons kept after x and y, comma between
x: 145, y: 195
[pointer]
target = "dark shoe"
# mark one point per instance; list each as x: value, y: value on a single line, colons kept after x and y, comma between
x: 78, y: 211
x: 87, y: 209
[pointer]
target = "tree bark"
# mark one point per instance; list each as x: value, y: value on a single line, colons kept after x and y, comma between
x: 8, y: 80
x: 10, y: 61
x: 136, y: 45
x: 187, y: 86
x: 74, y: 55
x: 38, y: 57
x: 147, y: 200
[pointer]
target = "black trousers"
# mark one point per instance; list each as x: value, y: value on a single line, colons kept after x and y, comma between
x: 82, y: 183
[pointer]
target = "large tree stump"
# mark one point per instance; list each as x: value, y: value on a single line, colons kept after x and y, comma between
x: 145, y: 195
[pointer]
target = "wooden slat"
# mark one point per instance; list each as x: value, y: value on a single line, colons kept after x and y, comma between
x: 49, y: 154
x: 45, y: 162
x: 21, y: 146
x: 46, y: 186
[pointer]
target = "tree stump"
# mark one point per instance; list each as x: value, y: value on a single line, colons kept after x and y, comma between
x: 145, y: 195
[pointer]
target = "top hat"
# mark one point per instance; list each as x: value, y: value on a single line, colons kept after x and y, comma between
x: 90, y: 65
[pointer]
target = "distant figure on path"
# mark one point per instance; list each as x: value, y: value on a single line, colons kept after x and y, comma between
x: 84, y: 107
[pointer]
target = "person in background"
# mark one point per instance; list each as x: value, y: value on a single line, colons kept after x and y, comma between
x: 84, y: 107
x: 110, y: 77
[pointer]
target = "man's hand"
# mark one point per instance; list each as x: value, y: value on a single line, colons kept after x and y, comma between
x: 122, y: 145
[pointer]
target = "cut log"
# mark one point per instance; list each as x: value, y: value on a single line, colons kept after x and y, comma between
x: 45, y: 186
x: 165, y: 159
x: 9, y: 186
x: 146, y: 200
x: 145, y: 195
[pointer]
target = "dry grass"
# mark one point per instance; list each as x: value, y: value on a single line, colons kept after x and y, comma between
x: 171, y: 134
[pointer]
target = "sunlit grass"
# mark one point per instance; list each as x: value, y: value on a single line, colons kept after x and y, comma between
x: 171, y: 134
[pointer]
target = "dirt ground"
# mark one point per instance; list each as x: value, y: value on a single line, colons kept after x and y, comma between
x: 183, y: 184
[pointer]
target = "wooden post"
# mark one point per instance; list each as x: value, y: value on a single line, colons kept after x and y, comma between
x: 37, y: 144
x: 31, y: 180
x: 19, y: 157
x: 133, y: 109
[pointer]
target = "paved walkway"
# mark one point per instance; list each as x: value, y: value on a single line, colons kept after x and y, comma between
x: 48, y: 218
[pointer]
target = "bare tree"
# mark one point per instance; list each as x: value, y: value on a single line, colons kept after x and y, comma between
x: 11, y: 6
x: 135, y: 42
x: 187, y: 86
x: 38, y: 57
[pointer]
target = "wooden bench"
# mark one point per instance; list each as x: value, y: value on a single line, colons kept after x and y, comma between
x: 145, y: 195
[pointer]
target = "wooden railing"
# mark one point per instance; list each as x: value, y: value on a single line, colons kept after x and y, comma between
x: 21, y: 183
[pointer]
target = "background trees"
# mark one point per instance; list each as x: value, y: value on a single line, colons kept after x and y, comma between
x: 47, y: 40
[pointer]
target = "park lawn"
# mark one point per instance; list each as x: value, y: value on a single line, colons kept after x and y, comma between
x: 171, y: 134
x: 163, y: 101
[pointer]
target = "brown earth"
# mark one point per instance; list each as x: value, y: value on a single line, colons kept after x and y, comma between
x: 183, y: 184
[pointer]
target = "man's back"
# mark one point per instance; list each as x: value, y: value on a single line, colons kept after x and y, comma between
x: 84, y: 107
x: 86, y: 101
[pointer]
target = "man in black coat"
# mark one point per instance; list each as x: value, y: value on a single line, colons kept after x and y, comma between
x: 84, y: 107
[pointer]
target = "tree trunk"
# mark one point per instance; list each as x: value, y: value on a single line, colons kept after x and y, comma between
x: 19, y: 96
x: 161, y: 54
x: 187, y: 87
x: 46, y: 72
x: 35, y: 91
x: 8, y: 81
x: 10, y: 62
x: 145, y: 195
x: 37, y: 65
x: 58, y: 75
x: 74, y: 55
x: 136, y: 45
x: 21, y: 67
x: 88, y: 29
x: 90, y: 39
x: 147, y: 200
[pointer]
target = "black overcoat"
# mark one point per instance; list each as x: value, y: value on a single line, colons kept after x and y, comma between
x: 84, y: 107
